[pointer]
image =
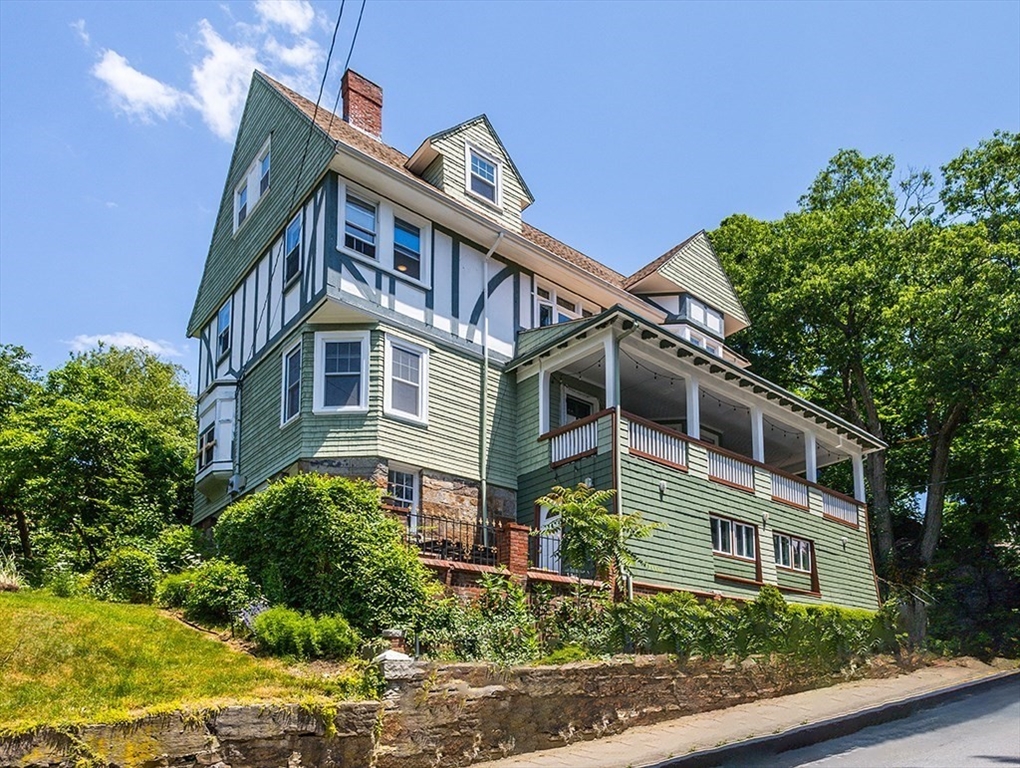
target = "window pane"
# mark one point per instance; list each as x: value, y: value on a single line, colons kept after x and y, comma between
x: 294, y: 234
x: 483, y: 168
x: 361, y: 214
x: 545, y: 315
x: 264, y: 182
x: 405, y: 397
x: 567, y: 305
x: 577, y: 408
x: 406, y: 365
x: 342, y: 390
x: 401, y: 488
x: 407, y: 248
x: 483, y: 188
x: 343, y: 357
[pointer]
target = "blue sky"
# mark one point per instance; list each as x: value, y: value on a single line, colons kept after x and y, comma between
x: 635, y: 124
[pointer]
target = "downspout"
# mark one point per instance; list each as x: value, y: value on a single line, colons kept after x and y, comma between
x: 617, y: 456
x: 483, y: 453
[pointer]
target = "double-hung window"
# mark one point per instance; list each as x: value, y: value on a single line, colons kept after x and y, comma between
x: 292, y: 249
x: 291, y: 394
x: 402, y: 490
x: 407, y: 248
x: 341, y: 371
x: 732, y: 538
x: 242, y: 204
x: 554, y: 306
x: 792, y: 552
x: 264, y: 174
x: 223, y: 331
x: 406, y: 380
x: 206, y: 446
x: 483, y: 176
x: 360, y: 223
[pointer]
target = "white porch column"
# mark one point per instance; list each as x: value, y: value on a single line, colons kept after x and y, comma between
x: 810, y: 457
x: 693, y: 407
x: 543, y: 401
x: 757, y: 434
x: 858, y: 461
x: 612, y: 372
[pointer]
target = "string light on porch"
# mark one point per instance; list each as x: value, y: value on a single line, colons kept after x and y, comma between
x: 722, y: 404
x: 773, y: 427
x: 655, y: 374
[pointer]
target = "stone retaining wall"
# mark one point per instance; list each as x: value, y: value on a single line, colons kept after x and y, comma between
x: 435, y: 715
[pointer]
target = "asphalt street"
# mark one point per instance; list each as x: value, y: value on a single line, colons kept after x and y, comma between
x: 977, y: 729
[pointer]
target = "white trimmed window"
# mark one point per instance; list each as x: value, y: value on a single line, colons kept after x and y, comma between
x: 792, y: 552
x: 388, y: 237
x: 553, y: 305
x: 406, y: 380
x: 253, y: 186
x: 292, y: 250
x: 702, y: 314
x: 291, y: 394
x: 403, y: 487
x: 223, y: 331
x: 341, y: 372
x: 206, y: 446
x: 732, y: 538
x: 483, y: 175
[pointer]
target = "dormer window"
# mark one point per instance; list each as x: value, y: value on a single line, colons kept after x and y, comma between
x: 407, y: 248
x: 702, y: 314
x: 483, y: 176
x: 360, y: 226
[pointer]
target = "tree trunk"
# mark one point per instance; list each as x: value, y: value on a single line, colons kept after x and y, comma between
x: 938, y: 469
x: 914, y: 612
x: 22, y: 523
x: 879, y: 509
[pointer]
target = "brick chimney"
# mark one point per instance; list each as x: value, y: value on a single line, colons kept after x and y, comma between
x: 362, y: 103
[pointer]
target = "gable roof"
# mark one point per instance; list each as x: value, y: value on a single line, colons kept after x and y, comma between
x: 694, y: 267
x: 426, y: 157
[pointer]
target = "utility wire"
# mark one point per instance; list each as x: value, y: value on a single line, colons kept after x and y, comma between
x: 347, y: 62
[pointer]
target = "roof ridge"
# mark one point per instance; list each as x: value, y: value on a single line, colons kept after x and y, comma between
x: 653, y: 265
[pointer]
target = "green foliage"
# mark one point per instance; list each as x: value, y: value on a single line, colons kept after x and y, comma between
x: 590, y: 535
x: 564, y: 655
x: 70, y: 661
x: 11, y: 579
x: 128, y: 575
x: 62, y: 581
x: 100, y: 456
x: 180, y: 547
x: 498, y: 626
x: 212, y: 594
x: 582, y: 619
x: 284, y: 632
x: 323, y: 545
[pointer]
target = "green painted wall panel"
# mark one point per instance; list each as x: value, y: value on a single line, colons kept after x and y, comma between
x: 697, y: 268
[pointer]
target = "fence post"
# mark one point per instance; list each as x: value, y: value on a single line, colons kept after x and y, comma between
x: 512, y: 547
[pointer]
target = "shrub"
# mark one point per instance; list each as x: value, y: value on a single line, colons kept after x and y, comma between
x: 62, y: 581
x: 214, y: 593
x: 281, y: 631
x: 128, y: 575
x: 11, y: 579
x: 564, y: 655
x: 323, y: 545
x: 179, y: 547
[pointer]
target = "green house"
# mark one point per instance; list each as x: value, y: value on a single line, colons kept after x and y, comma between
x: 368, y: 313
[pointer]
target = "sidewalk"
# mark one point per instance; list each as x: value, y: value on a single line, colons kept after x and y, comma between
x: 651, y: 744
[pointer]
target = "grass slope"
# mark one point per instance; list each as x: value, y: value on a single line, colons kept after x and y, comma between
x: 65, y: 661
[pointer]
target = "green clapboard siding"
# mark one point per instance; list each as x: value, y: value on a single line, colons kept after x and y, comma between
x: 266, y: 112
x: 680, y: 554
x: 697, y: 268
x: 538, y: 483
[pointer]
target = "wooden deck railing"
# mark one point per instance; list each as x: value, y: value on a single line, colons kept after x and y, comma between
x: 575, y: 440
x: 657, y: 443
x: 730, y: 469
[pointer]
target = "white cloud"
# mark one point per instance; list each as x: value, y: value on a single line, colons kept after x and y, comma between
x: 83, y: 342
x: 83, y: 34
x: 295, y: 15
x: 221, y: 80
x: 221, y: 66
x: 136, y: 93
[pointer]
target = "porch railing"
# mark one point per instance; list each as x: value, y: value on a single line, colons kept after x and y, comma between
x: 657, y: 443
x: 840, y: 508
x: 730, y: 470
x: 465, y: 541
x: 791, y: 490
x: 575, y: 440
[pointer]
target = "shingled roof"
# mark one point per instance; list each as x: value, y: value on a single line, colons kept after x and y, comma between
x: 339, y: 130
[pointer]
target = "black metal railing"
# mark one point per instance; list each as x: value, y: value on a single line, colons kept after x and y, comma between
x: 544, y: 554
x: 464, y: 541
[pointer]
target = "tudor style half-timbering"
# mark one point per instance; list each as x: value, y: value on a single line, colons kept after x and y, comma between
x: 390, y: 317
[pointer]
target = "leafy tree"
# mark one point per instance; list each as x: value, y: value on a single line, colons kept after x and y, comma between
x: 591, y: 536
x: 902, y: 320
x: 323, y: 545
x: 101, y: 455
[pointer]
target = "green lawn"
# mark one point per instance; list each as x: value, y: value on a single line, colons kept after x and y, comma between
x: 66, y: 661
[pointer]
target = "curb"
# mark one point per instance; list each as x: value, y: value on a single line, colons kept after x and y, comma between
x: 824, y: 730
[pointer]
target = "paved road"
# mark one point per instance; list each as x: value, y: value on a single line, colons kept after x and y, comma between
x: 978, y: 729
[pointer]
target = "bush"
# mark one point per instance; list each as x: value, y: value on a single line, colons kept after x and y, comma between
x: 284, y: 632
x: 11, y: 579
x: 214, y: 593
x: 128, y: 575
x: 323, y: 545
x: 62, y: 581
x: 180, y: 547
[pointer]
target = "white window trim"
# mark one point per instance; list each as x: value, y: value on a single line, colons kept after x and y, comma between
x: 319, y: 366
x: 733, y: 539
x: 385, y: 212
x: 253, y: 178
x: 565, y: 391
x: 414, y: 511
x: 497, y: 164
x: 300, y: 218
x: 559, y: 293
x: 423, y: 380
x: 791, y: 539
x: 287, y: 352
x: 223, y: 354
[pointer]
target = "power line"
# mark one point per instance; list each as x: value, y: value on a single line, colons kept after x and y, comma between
x: 347, y: 62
